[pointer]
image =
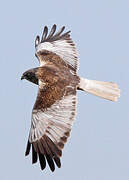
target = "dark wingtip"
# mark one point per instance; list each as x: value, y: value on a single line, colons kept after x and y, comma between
x: 42, y: 161
x: 34, y: 155
x: 46, y: 151
x: 45, y: 31
x: 58, y: 162
x: 28, y: 148
x: 60, y: 31
x: 53, y: 29
x: 54, y: 26
x: 37, y: 40
x: 50, y: 162
x: 52, y: 36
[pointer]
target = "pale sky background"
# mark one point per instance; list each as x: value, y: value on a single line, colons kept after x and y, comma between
x: 98, y: 148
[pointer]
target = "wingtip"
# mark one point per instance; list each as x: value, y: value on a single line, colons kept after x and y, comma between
x: 37, y: 40
x: 28, y: 148
x: 54, y: 25
x: 45, y: 32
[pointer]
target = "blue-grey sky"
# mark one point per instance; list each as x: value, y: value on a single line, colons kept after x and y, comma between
x: 98, y: 148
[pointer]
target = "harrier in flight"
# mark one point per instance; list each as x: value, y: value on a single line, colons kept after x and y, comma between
x: 55, y: 107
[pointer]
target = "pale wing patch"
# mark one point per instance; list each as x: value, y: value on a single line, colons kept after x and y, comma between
x: 63, y: 49
x: 55, y: 122
x: 60, y: 44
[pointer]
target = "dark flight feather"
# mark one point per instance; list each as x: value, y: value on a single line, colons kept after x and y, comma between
x: 51, y: 37
x: 52, y: 31
x: 45, y: 31
x: 42, y: 161
x: 28, y: 148
x: 60, y: 31
x: 34, y: 155
x: 57, y: 161
x: 50, y: 162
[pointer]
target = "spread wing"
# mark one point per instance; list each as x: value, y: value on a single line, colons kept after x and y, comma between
x: 59, y: 44
x: 52, y: 119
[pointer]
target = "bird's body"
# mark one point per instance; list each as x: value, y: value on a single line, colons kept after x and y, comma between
x: 55, y: 108
x: 54, y: 83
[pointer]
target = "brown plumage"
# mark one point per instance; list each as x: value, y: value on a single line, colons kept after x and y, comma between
x: 55, y: 107
x: 54, y: 83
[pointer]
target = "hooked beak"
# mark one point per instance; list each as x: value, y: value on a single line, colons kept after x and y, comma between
x: 22, y: 77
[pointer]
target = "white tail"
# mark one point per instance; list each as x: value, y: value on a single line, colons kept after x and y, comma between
x: 106, y: 90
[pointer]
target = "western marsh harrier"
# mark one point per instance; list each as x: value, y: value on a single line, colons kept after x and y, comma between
x: 55, y: 107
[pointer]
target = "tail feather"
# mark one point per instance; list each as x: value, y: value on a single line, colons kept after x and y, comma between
x: 106, y: 90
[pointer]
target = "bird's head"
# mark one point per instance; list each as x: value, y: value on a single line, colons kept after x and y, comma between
x: 30, y: 75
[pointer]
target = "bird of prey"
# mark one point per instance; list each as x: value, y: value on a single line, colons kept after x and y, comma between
x: 54, y: 111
